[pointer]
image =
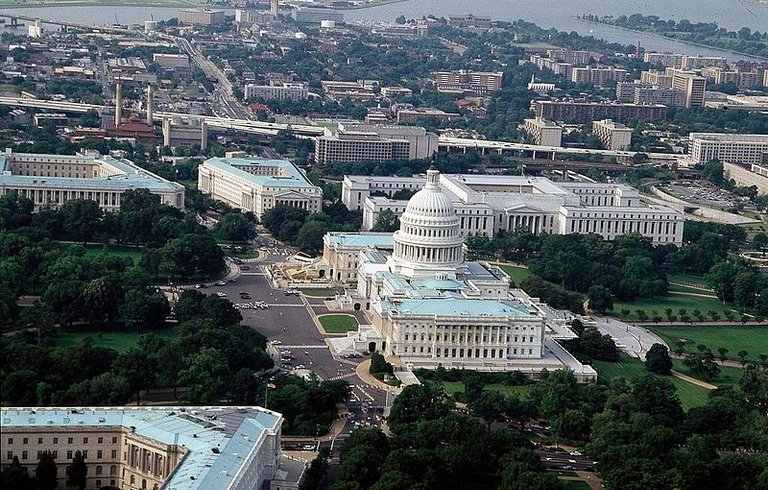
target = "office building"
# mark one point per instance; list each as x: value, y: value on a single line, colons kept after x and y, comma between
x: 469, y: 21
x: 341, y: 252
x: 544, y: 132
x: 138, y: 448
x: 613, y: 136
x: 656, y: 78
x: 698, y: 62
x: 360, y: 90
x: 201, y: 16
x: 597, y: 75
x: 586, y: 112
x: 361, y: 142
x: 552, y: 64
x: 625, y: 91
x: 668, y: 59
x: 744, y: 149
x: 658, y: 95
x: 574, y: 57
x: 413, y: 114
x: 179, y: 62
x: 692, y: 85
x: 317, y: 15
x: 293, y: 91
x: 52, y: 180
x: 258, y: 184
x: 742, y: 79
x: 468, y: 81
x: 489, y: 204
x: 430, y: 307
x: 396, y: 92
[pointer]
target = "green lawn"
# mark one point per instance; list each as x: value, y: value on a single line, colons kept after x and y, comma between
x: 318, y: 292
x: 452, y: 387
x: 690, y: 289
x: 752, y: 339
x: 728, y: 375
x: 674, y: 301
x: 120, y: 341
x: 517, y: 274
x: 338, y: 323
x: 119, y: 250
x: 629, y: 368
x: 688, y: 278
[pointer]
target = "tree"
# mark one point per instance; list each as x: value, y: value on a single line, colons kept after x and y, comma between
x: 600, y: 299
x: 657, y: 359
x: 81, y: 218
x: 722, y: 354
x: 702, y: 363
x: 16, y: 476
x: 489, y: 406
x: 418, y: 402
x: 315, y: 477
x: 310, y: 237
x: 742, y: 354
x: 77, y: 471
x: 46, y: 471
x: 204, y: 376
x: 387, y: 221
x: 235, y: 227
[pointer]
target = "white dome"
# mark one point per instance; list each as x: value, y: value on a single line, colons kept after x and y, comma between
x: 429, y: 239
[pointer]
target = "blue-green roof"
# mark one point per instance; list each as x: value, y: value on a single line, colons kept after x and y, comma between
x: 130, y: 176
x: 458, y: 307
x: 382, y: 241
x: 232, y: 430
x: 293, y: 176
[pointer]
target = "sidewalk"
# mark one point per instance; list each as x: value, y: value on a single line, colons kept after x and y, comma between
x: 694, y: 381
x: 366, y: 377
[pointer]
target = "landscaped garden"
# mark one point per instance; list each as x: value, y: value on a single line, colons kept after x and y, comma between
x: 735, y: 338
x: 338, y: 323
x: 119, y: 340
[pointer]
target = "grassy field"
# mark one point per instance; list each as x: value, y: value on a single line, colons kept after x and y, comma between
x: 318, y: 292
x: 517, y: 274
x: 120, y: 341
x: 674, y: 301
x: 689, y: 278
x: 728, y: 375
x: 629, y: 368
x: 690, y: 289
x: 338, y: 323
x: 130, y: 252
x: 752, y: 339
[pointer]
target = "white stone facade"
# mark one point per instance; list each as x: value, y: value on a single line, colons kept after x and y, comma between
x: 746, y: 149
x: 489, y: 204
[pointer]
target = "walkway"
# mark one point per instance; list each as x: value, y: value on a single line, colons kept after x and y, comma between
x: 692, y: 380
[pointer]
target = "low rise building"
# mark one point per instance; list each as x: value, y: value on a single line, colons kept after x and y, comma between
x: 477, y: 82
x: 544, y: 132
x: 360, y: 90
x: 341, y: 252
x: 258, y: 184
x: 317, y: 15
x: 293, y: 91
x: 52, y: 180
x: 745, y: 149
x: 137, y: 448
x: 612, y: 135
x: 178, y: 62
x: 489, y: 204
x: 202, y: 16
x: 414, y: 114
x: 469, y: 21
x: 360, y: 142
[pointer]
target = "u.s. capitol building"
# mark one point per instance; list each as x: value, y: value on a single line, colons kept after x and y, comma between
x: 428, y: 306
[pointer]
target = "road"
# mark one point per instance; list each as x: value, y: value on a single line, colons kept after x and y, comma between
x: 223, y: 103
x: 635, y: 341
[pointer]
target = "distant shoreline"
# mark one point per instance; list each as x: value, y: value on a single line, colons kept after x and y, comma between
x: 375, y: 3
x: 684, y: 41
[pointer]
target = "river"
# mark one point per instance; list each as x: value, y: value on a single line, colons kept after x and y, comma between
x: 560, y: 14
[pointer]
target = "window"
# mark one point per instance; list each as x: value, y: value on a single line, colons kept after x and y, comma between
x: 98, y: 483
x: 114, y: 440
x: 69, y: 454
x: 25, y: 441
x: 70, y: 440
x: 9, y: 455
x: 24, y: 454
x: 85, y: 440
x: 55, y: 454
x: 55, y: 440
x: 99, y: 454
x: 101, y: 440
x: 10, y: 440
x: 114, y: 454
x: 39, y: 440
x: 98, y: 470
x: 113, y: 470
x: 85, y: 454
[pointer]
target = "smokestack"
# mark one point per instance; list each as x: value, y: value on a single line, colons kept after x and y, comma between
x: 203, y: 135
x: 150, y: 95
x: 167, y: 131
x: 637, y: 50
x: 273, y: 10
x: 118, y: 103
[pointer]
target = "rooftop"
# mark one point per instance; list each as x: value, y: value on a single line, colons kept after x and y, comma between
x: 232, y: 430
x: 288, y: 175
x: 362, y: 240
x: 459, y: 307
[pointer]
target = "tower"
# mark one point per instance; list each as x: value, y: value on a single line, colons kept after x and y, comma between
x: 167, y: 131
x: 150, y: 112
x: 273, y: 8
x: 203, y: 135
x: 118, y: 103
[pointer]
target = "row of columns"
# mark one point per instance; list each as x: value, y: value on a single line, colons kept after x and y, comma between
x: 428, y: 254
x: 535, y: 224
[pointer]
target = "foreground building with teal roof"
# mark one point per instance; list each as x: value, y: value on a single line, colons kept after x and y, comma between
x: 180, y: 448
x: 258, y: 184
x: 429, y: 307
x: 52, y: 180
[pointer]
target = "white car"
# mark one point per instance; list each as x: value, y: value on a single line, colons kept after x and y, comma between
x: 221, y: 295
x: 275, y: 342
x: 221, y: 283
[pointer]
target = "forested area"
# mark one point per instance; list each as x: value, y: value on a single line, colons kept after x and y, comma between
x: 636, y: 429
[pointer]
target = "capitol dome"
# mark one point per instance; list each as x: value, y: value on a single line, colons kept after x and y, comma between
x: 429, y: 240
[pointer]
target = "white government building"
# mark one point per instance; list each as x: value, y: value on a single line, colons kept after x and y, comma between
x: 142, y: 448
x: 258, y: 184
x: 489, y: 204
x: 429, y: 307
x: 52, y: 180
